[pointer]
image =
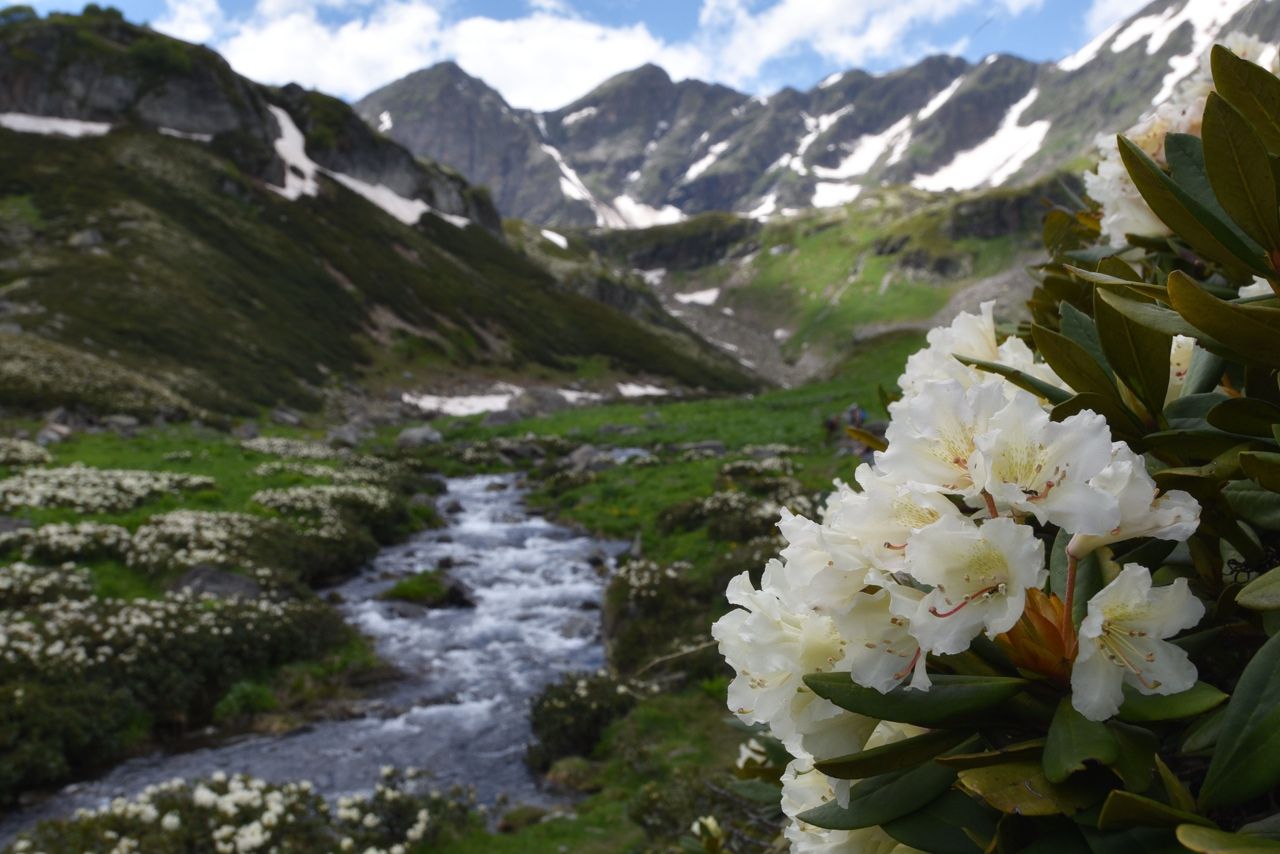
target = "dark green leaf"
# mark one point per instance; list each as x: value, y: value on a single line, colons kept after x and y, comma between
x: 1245, y: 415
x: 1205, y: 373
x: 1240, y: 171
x: 1262, y: 467
x: 881, y: 799
x: 946, y: 825
x: 1185, y: 154
x: 1138, y: 354
x: 1080, y: 328
x: 1159, y: 318
x: 1204, y: 230
x: 951, y: 698
x: 1022, y: 752
x: 1073, y: 741
x: 1179, y: 795
x: 1208, y: 840
x: 1125, y: 809
x: 1252, y: 331
x: 1252, y: 90
x: 1243, y: 763
x: 891, y: 757
x: 1203, y: 734
x: 1263, y: 593
x: 1256, y: 504
x: 1135, y: 764
x: 1196, y: 700
x: 1077, y: 367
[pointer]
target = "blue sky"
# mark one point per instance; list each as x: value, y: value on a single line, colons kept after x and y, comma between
x: 543, y: 54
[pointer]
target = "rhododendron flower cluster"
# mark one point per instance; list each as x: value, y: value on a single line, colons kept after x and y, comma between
x: 942, y: 540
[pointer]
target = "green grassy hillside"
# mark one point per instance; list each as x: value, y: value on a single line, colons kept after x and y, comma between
x: 160, y: 257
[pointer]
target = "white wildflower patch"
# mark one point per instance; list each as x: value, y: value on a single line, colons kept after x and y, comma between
x: 185, y: 538
x: 93, y: 490
x: 19, y: 452
x: 66, y: 541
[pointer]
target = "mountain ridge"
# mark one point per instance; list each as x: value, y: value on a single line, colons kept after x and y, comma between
x: 641, y: 149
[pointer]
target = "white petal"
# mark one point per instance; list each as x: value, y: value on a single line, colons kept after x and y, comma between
x: 1096, y: 687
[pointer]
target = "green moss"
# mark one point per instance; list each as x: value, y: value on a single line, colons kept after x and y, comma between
x: 425, y: 588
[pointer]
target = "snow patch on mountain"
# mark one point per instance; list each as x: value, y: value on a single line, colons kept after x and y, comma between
x: 384, y: 122
x: 765, y: 209
x: 831, y: 80
x: 555, y: 237
x: 705, y: 297
x: 705, y: 163
x: 634, y: 214
x: 578, y: 115
x: 814, y: 128
x: 1207, y: 19
x: 573, y: 188
x: 868, y: 149
x: 301, y: 171
x: 52, y: 126
x: 1085, y: 55
x: 829, y: 195
x: 939, y: 99
x: 995, y: 159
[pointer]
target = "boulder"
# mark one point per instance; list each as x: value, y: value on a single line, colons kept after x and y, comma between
x: 588, y: 458
x: 345, y: 436
x: 538, y: 401
x: 125, y: 425
x: 246, y: 430
x: 418, y: 437
x: 286, y: 417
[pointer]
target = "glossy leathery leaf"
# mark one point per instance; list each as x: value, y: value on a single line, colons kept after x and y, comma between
x: 1246, y: 416
x: 1125, y: 809
x: 1252, y: 90
x: 1074, y: 740
x: 952, y: 697
x: 1077, y: 367
x: 1138, y: 354
x: 1243, y: 764
x: 1209, y: 840
x: 892, y: 757
x: 883, y: 798
x: 1251, y: 331
x: 947, y: 825
x: 1204, y: 230
x: 1147, y: 708
x: 1262, y: 593
x: 1239, y: 169
x: 1263, y: 467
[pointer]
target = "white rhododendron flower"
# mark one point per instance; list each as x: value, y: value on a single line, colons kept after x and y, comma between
x: 824, y: 567
x: 1122, y: 640
x: 803, y: 789
x: 1141, y: 510
x: 772, y: 645
x: 884, y: 515
x: 1029, y: 464
x: 980, y: 575
x: 931, y: 434
x: 881, y: 651
x: 972, y: 336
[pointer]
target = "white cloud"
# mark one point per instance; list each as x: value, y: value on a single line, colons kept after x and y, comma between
x: 1104, y: 13
x: 191, y: 20
x: 545, y: 61
x: 551, y: 55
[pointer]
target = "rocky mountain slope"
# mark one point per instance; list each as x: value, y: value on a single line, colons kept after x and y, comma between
x: 642, y: 149
x: 175, y: 237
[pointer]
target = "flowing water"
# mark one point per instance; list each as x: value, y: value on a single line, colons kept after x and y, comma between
x: 461, y: 709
